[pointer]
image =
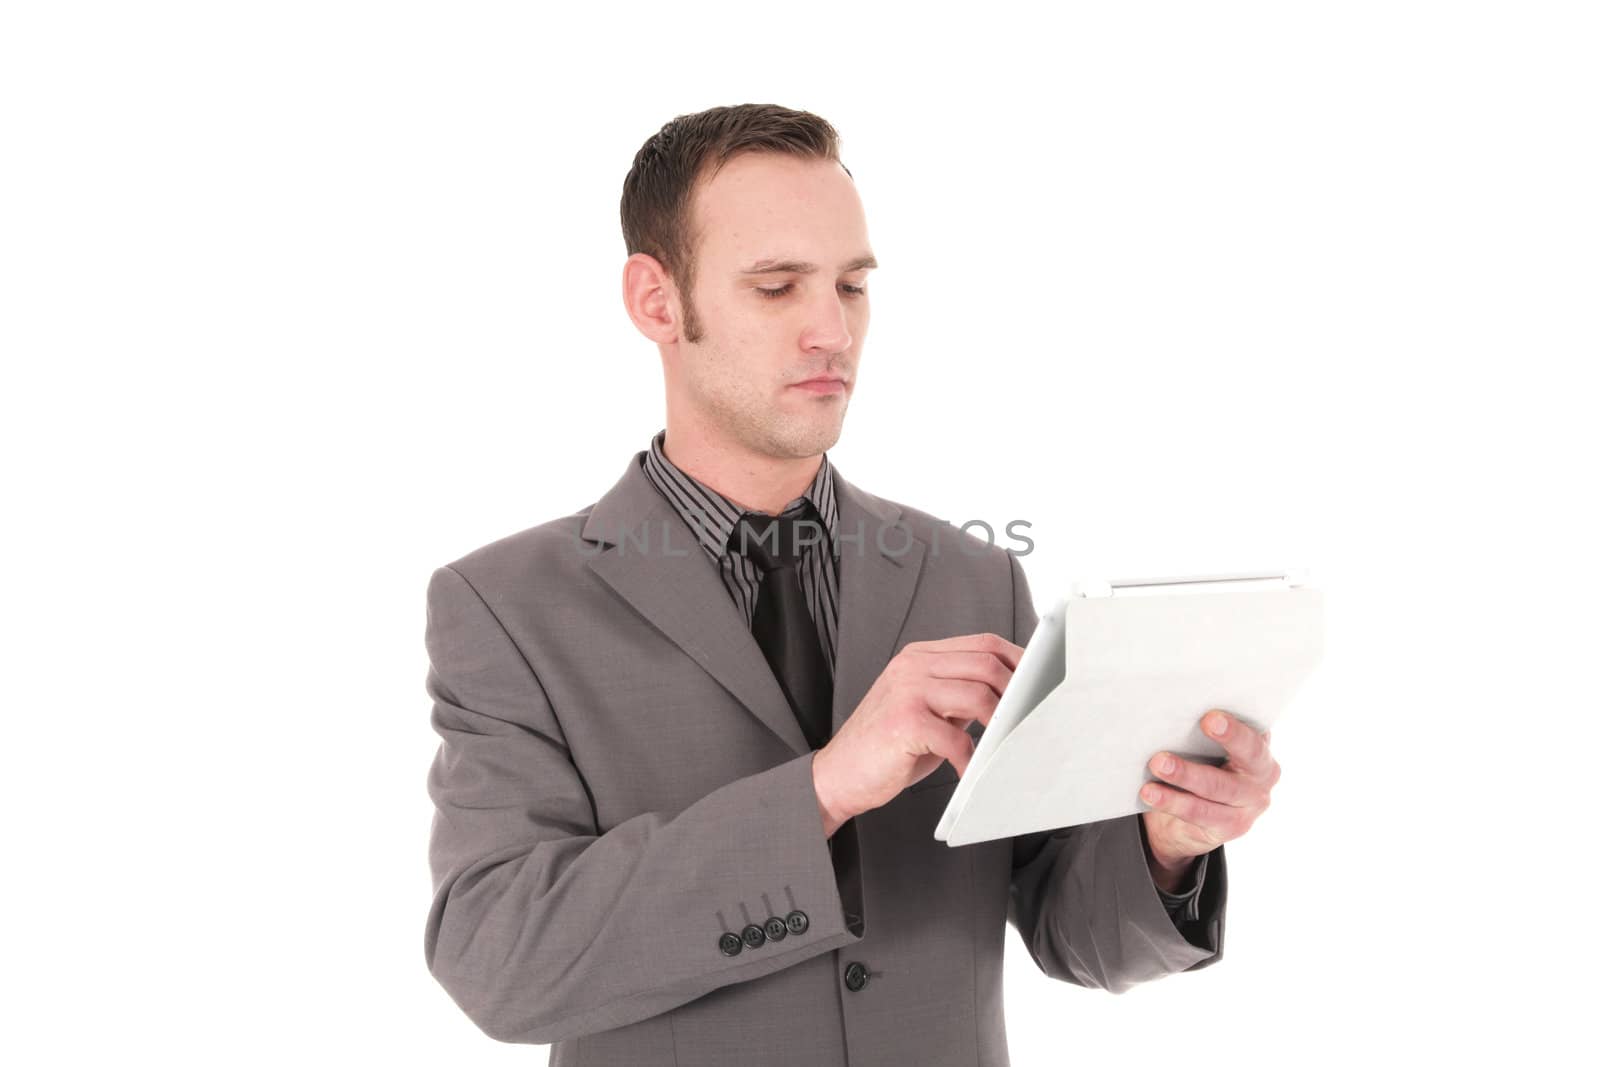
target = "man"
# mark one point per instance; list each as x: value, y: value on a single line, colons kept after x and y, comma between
x: 695, y: 737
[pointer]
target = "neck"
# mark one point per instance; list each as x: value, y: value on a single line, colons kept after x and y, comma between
x: 752, y: 480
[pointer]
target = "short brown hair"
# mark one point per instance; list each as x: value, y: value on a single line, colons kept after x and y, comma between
x: 656, y: 193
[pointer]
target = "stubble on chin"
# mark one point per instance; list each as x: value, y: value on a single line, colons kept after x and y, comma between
x: 784, y: 434
x: 799, y: 437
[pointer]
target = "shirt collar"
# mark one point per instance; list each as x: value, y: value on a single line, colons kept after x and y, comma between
x: 713, y: 516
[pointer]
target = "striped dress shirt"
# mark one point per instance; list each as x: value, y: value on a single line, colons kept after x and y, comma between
x: 713, y: 518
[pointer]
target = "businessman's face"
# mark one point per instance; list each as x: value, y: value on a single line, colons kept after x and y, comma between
x: 781, y: 262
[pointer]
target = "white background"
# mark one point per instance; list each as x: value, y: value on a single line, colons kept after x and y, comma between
x: 303, y: 300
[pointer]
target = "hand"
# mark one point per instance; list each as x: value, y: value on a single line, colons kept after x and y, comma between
x: 1211, y: 804
x: 913, y: 718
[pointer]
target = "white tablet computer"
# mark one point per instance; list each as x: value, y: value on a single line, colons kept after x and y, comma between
x: 1119, y: 670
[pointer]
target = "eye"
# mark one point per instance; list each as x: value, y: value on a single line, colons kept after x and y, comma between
x: 783, y: 290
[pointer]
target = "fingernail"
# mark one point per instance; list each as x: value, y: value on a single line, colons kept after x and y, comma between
x: 1219, y: 725
x: 1151, y: 794
x: 1165, y: 765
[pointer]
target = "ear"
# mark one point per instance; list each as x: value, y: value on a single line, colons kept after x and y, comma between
x: 651, y: 298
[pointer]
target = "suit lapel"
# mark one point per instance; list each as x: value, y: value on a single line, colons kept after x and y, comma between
x: 653, y: 561
x: 877, y: 574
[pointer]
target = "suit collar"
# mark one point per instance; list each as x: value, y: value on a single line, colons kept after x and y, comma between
x: 651, y: 558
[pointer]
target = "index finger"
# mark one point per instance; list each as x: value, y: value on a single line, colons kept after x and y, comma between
x: 1245, y: 747
x: 984, y: 642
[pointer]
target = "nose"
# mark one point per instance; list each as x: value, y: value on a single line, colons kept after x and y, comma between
x: 827, y: 326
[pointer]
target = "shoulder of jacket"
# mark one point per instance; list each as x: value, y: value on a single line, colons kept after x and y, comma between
x: 946, y: 540
x: 549, y: 542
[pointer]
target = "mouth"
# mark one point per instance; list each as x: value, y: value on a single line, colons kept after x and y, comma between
x: 824, y: 384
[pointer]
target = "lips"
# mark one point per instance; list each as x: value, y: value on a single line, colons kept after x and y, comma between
x: 821, y: 385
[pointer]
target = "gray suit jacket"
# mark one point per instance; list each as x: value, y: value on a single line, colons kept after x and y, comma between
x: 621, y: 785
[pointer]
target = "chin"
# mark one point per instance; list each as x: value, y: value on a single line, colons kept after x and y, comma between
x: 816, y: 438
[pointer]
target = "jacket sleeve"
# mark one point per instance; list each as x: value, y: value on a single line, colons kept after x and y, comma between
x: 1083, y: 898
x: 541, y: 927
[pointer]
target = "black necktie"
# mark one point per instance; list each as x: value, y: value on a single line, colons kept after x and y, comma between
x: 783, y: 626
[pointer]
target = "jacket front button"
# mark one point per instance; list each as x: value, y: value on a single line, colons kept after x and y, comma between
x: 798, y: 922
x: 730, y: 944
x: 753, y: 936
x: 855, y: 977
x: 776, y: 929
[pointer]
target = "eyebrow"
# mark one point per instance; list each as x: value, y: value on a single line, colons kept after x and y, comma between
x: 795, y: 266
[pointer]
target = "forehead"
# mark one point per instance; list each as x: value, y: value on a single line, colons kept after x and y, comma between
x: 763, y: 204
